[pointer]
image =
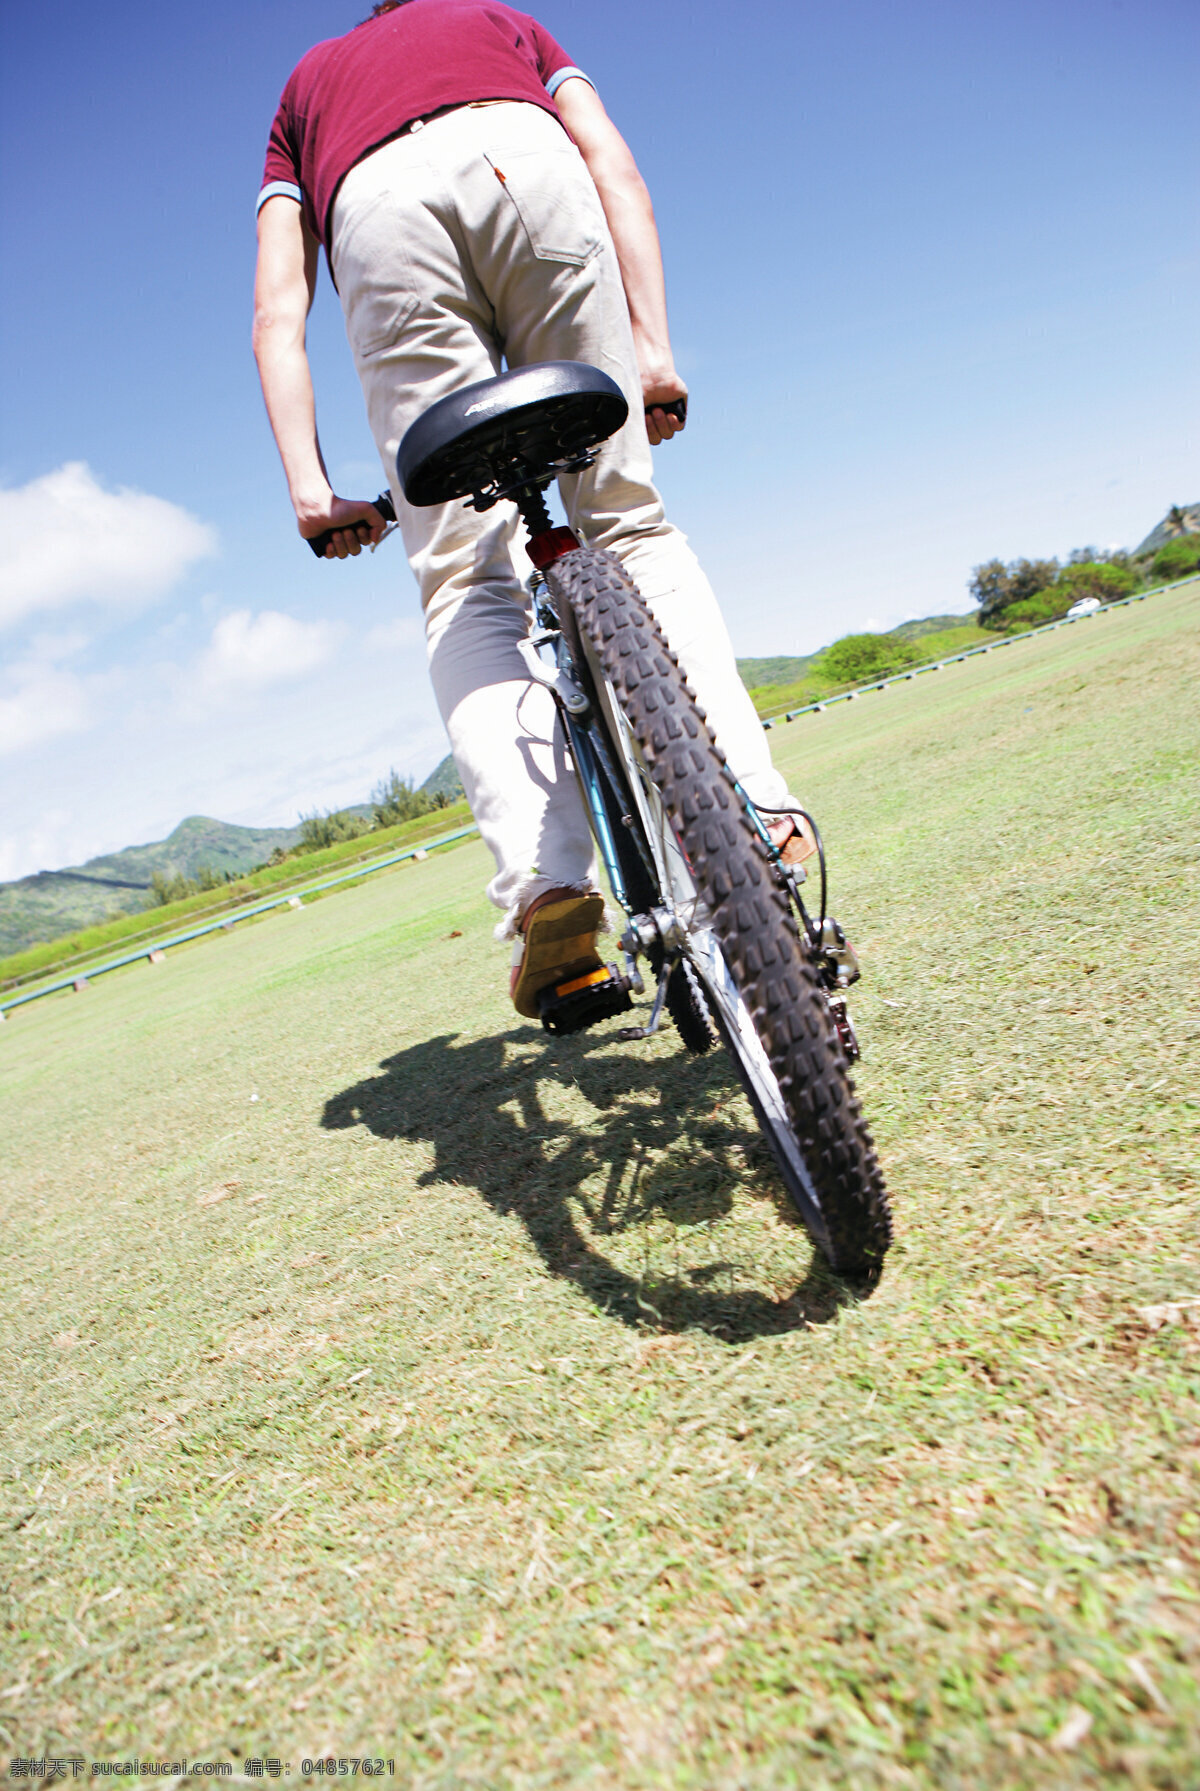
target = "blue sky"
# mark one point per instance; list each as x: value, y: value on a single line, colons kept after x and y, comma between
x: 932, y: 271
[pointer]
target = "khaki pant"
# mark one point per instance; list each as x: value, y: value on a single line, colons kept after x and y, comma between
x: 477, y: 239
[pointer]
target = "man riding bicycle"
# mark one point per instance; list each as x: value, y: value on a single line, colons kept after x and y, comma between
x: 477, y: 206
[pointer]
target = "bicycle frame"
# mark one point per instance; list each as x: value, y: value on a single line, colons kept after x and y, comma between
x: 588, y: 740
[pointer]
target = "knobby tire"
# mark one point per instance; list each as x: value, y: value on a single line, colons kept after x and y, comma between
x: 749, y: 911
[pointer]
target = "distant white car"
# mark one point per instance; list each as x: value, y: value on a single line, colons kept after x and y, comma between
x: 1087, y: 606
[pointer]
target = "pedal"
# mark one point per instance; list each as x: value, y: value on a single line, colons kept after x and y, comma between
x: 584, y: 1000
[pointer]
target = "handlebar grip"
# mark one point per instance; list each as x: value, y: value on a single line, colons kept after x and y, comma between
x: 384, y: 505
x: 677, y: 409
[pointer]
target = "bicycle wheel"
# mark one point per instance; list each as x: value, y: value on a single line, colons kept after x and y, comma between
x: 735, y: 926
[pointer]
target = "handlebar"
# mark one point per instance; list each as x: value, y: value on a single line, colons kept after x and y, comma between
x: 383, y: 503
x: 677, y: 409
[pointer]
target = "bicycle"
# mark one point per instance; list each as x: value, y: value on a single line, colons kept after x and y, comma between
x: 708, y: 902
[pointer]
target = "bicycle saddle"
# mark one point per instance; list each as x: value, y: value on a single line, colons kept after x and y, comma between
x: 500, y: 434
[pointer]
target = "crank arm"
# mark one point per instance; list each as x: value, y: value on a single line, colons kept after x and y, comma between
x: 630, y: 1033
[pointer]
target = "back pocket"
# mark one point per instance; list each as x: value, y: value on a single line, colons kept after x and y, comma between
x: 556, y: 200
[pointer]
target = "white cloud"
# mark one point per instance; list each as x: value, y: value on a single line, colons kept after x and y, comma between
x: 50, y: 648
x: 46, y: 702
x: 251, y: 651
x: 49, y: 839
x: 64, y: 539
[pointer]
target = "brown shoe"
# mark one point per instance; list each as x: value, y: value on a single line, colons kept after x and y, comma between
x: 560, y: 928
x: 793, y: 838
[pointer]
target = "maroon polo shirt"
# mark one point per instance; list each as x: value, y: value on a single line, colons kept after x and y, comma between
x: 352, y: 93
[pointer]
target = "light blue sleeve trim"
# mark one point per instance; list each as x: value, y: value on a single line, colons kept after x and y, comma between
x: 275, y: 188
x: 565, y: 74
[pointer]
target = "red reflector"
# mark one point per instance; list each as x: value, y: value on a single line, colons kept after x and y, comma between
x: 551, y: 545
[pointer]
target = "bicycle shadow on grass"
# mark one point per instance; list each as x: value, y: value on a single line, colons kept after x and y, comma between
x: 495, y: 1111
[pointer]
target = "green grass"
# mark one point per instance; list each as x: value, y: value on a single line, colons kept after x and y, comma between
x: 471, y: 1398
x: 152, y: 923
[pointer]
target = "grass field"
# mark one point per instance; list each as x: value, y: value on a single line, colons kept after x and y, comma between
x: 382, y: 1377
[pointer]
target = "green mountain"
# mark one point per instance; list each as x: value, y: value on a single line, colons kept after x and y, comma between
x: 913, y: 631
x: 444, y: 780
x: 51, y: 903
x: 780, y: 670
x: 1181, y: 519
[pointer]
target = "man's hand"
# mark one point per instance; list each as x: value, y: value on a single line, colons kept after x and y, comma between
x: 354, y: 525
x: 657, y: 391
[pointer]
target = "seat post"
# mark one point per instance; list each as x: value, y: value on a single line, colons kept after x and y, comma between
x: 546, y: 543
x: 532, y: 505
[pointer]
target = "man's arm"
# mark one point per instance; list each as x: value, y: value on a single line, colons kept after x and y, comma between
x: 626, y: 202
x: 284, y: 284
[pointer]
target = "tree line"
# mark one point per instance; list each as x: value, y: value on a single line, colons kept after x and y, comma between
x: 1025, y: 593
x: 394, y: 799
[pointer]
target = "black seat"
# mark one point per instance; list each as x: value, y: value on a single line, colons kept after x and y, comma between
x: 516, y: 429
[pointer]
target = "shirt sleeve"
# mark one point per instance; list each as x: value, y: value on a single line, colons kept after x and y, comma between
x: 554, y: 65
x: 281, y: 172
x: 286, y: 189
x: 555, y: 81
